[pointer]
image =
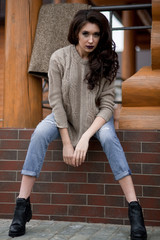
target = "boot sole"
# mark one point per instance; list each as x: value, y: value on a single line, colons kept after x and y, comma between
x: 18, y: 234
x: 143, y: 238
x: 11, y: 234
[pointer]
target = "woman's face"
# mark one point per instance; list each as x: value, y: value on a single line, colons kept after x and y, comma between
x: 88, y: 39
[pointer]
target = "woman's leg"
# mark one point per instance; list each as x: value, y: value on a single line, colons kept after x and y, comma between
x: 45, y: 132
x: 114, y: 152
x: 117, y: 160
x: 26, y: 186
x: 127, y: 186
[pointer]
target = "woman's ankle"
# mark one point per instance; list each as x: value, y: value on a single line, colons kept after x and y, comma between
x: 23, y: 196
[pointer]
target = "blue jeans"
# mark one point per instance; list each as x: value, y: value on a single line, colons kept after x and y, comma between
x: 47, y: 131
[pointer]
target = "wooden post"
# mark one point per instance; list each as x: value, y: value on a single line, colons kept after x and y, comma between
x: 22, y: 92
x: 141, y: 92
x: 155, y: 43
x: 128, y: 55
x: 1, y: 73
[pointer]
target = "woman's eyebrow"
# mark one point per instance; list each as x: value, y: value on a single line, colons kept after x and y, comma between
x: 85, y: 31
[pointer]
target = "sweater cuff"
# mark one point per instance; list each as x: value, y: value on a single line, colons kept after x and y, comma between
x: 105, y: 115
x: 61, y: 121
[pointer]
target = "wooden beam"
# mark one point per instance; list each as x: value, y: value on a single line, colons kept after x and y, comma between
x: 128, y: 54
x: 22, y: 92
x: 146, y: 118
x: 142, y: 89
x: 1, y: 73
x: 141, y: 92
x: 155, y: 36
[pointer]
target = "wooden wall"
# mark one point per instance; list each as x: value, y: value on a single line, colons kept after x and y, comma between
x: 126, y: 121
x: 22, y: 93
x: 1, y: 72
x: 141, y: 92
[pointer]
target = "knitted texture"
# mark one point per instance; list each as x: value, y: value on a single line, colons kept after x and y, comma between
x: 75, y: 106
x: 51, y: 34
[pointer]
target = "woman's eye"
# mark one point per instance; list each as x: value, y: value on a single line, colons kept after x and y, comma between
x: 85, y: 33
x: 97, y: 34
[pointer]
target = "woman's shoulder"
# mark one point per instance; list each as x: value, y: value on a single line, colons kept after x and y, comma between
x: 62, y: 52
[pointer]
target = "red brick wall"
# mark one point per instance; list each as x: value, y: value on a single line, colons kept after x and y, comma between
x: 87, y: 193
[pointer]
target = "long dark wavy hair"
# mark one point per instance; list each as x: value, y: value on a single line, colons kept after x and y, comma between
x: 103, y: 61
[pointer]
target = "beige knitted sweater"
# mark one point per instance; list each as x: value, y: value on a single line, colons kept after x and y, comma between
x: 73, y: 104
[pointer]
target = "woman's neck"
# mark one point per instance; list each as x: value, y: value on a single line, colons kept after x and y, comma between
x: 82, y: 54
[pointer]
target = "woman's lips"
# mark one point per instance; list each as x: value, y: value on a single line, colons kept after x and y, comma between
x: 90, y: 47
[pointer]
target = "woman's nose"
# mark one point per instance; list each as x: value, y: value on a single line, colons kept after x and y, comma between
x: 90, y: 40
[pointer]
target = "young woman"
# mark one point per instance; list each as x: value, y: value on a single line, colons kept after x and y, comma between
x: 81, y: 94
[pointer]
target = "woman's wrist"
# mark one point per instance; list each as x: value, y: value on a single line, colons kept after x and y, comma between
x: 65, y: 136
x: 65, y: 144
x: 87, y: 135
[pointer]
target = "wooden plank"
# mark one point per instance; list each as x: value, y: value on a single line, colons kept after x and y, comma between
x: 128, y: 54
x: 22, y: 93
x: 155, y: 36
x: 1, y: 73
x: 142, y: 89
x: 140, y: 118
x: 141, y: 92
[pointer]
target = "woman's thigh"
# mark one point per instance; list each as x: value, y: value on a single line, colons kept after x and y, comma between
x: 45, y: 132
x: 113, y: 150
x: 47, y: 129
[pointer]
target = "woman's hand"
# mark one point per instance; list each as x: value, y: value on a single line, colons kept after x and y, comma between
x: 68, y: 149
x: 80, y: 151
x: 68, y: 152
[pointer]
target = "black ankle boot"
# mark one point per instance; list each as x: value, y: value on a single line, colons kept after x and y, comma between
x: 22, y: 214
x: 138, y: 230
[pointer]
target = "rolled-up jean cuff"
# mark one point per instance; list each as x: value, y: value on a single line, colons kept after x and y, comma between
x: 29, y: 173
x: 122, y: 175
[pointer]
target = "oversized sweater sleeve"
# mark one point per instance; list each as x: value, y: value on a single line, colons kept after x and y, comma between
x: 106, y: 101
x: 55, y: 75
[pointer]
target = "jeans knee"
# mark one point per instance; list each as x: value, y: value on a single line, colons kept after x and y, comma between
x: 107, y: 138
x: 39, y: 135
